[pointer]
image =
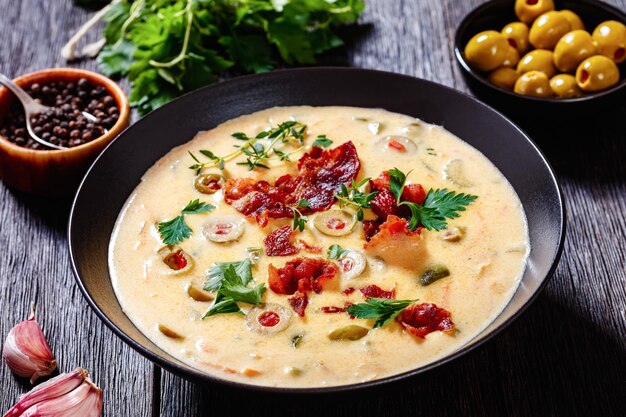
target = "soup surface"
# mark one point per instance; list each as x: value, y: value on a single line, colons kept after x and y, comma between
x: 455, y: 280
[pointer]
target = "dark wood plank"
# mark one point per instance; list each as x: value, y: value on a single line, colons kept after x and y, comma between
x: 35, y: 266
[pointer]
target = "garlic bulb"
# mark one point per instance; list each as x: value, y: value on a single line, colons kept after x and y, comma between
x: 26, y: 351
x: 71, y: 394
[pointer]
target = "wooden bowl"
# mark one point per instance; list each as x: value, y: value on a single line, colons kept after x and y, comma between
x: 55, y: 172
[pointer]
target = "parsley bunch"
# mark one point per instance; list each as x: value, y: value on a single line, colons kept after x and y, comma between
x: 168, y: 47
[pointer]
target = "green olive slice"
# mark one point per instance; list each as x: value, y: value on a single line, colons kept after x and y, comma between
x: 224, y: 228
x: 335, y: 222
x: 434, y: 273
x: 268, y: 319
x: 454, y: 172
x: 208, y: 183
x: 176, y: 259
x: 349, y: 332
x: 352, y: 264
x: 172, y: 334
x: 198, y: 294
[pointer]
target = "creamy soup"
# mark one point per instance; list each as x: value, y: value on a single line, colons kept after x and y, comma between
x: 468, y: 271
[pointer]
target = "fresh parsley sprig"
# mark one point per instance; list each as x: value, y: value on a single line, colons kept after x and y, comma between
x: 322, y: 141
x: 176, y: 230
x: 381, y: 309
x: 439, y: 205
x: 337, y: 252
x: 300, y: 220
x: 230, y: 280
x: 352, y: 196
x: 257, y: 154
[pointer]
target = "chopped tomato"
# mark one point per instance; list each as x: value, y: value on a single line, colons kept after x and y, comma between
x: 396, y: 145
x: 348, y: 291
x: 414, y: 193
x: 425, y: 318
x: 180, y: 260
x: 336, y: 224
x: 332, y: 309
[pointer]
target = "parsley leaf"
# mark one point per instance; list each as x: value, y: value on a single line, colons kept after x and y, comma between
x: 176, y: 230
x: 230, y: 280
x: 439, y: 205
x: 322, y: 141
x: 351, y: 196
x: 381, y: 309
x: 337, y: 252
x: 217, y: 273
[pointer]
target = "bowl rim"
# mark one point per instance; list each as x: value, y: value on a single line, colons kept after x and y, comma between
x: 476, y: 75
x: 198, y: 376
x: 49, y: 74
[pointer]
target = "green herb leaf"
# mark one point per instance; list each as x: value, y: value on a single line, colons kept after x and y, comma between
x: 382, y: 310
x: 224, y: 306
x: 230, y: 280
x: 337, y: 252
x: 438, y: 206
x: 322, y: 141
x: 176, y: 230
x: 351, y: 196
x: 299, y: 220
x: 216, y: 274
x: 303, y: 202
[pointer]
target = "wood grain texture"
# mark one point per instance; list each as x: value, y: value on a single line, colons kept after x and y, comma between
x: 36, y: 266
x: 566, y: 356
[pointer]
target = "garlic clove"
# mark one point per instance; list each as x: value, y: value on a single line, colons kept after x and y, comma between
x: 52, y: 388
x: 27, y: 352
x: 84, y: 401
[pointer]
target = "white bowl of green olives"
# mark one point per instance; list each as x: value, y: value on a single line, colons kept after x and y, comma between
x: 549, y: 51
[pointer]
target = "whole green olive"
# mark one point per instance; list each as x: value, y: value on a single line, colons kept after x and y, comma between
x: 533, y: 83
x: 610, y: 39
x: 597, y: 73
x: 547, y: 29
x: 503, y: 77
x: 486, y: 50
x: 574, y: 20
x: 529, y: 10
x: 564, y: 86
x: 516, y: 34
x: 572, y: 49
x: 512, y: 58
x: 538, y: 60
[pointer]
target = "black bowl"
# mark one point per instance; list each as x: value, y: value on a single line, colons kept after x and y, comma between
x: 495, y: 15
x: 119, y: 168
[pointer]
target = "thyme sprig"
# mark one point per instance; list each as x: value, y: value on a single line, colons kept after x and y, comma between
x: 352, y: 196
x: 257, y: 154
x: 300, y: 220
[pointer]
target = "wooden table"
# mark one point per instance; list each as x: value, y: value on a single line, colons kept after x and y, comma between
x: 565, y: 356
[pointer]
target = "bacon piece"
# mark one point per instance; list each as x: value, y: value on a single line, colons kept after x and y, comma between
x: 256, y: 199
x: 320, y: 174
x: 381, y: 182
x: 348, y: 291
x: 298, y: 302
x: 303, y: 274
x: 371, y: 227
x: 421, y: 319
x: 384, y: 204
x: 396, y: 244
x: 299, y: 276
x: 277, y: 243
x: 374, y: 291
x: 332, y: 309
x: 310, y: 248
